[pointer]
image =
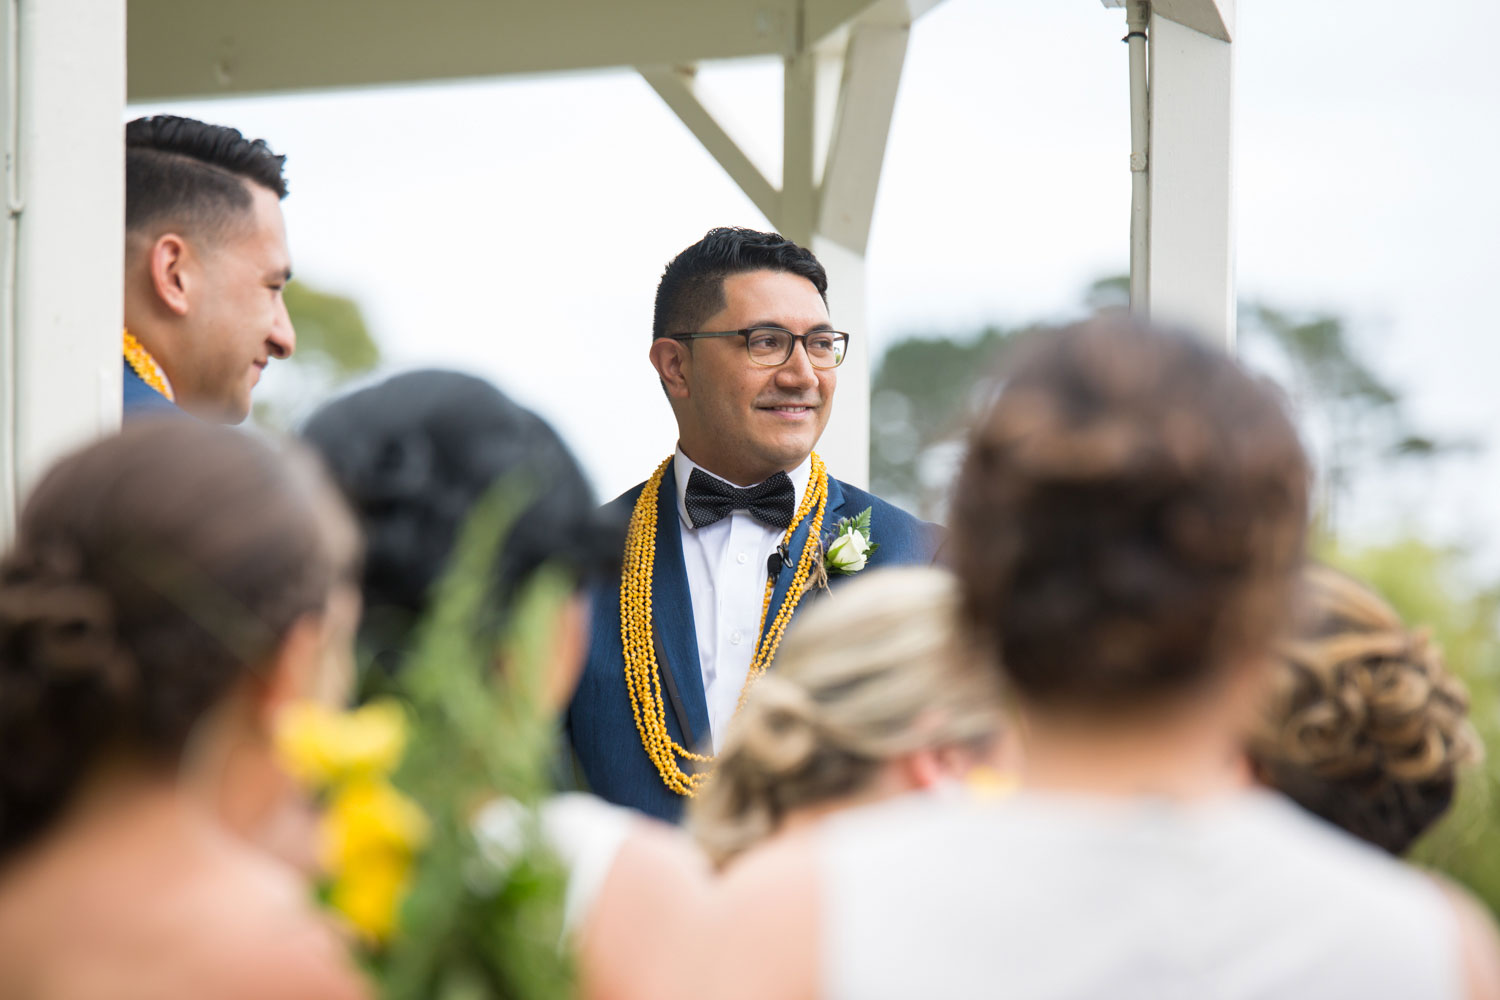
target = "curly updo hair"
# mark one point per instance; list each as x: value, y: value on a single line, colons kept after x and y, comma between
x: 413, y: 455
x: 1130, y: 516
x: 878, y: 672
x: 151, y: 573
x: 1364, y: 726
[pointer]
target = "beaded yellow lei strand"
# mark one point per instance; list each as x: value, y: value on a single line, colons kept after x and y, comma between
x: 143, y: 364
x: 642, y: 678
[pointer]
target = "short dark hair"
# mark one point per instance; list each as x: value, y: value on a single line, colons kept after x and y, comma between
x: 692, y: 287
x: 1130, y: 517
x: 150, y: 574
x: 189, y: 172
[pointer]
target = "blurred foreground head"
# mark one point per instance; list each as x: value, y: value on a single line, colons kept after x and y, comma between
x: 874, y: 694
x: 1129, y: 520
x: 176, y: 574
x: 414, y: 454
x: 1364, y: 727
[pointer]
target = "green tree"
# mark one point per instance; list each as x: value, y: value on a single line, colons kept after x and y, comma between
x: 333, y: 346
x: 927, y: 389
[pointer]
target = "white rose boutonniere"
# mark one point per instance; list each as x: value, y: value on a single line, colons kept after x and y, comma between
x: 851, y: 547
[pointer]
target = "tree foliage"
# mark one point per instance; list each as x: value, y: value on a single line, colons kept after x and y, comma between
x: 333, y: 346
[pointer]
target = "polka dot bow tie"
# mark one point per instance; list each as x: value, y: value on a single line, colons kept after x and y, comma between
x: 708, y: 499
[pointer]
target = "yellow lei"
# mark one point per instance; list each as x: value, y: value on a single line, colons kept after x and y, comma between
x: 642, y: 678
x: 143, y: 364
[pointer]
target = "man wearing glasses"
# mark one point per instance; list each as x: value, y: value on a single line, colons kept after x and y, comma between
x: 732, y: 532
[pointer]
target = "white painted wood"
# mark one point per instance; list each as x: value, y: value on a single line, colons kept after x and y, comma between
x: 63, y: 272
x: 867, y: 97
x: 677, y: 87
x: 846, y: 441
x: 1192, y: 213
x: 799, y: 182
x: 188, y: 48
x: 1214, y: 18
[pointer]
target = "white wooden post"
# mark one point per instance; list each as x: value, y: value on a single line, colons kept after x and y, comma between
x: 1191, y: 271
x: 838, y: 96
x: 62, y: 100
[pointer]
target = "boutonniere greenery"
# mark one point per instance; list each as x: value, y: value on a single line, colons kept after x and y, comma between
x: 851, y: 547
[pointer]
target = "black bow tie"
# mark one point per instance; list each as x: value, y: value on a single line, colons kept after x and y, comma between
x: 709, y: 499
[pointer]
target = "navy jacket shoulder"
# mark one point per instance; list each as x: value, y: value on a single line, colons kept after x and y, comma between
x: 141, y: 400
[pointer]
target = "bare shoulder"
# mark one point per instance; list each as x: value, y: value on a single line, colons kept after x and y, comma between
x: 763, y: 931
x: 274, y: 941
x: 1479, y: 941
x: 655, y: 896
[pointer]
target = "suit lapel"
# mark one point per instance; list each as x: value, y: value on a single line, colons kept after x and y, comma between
x: 672, y: 614
x: 831, y: 513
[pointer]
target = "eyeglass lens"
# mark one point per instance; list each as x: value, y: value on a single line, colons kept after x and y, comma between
x: 773, y: 347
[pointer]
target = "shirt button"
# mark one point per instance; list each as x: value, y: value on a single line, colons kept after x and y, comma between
x: 741, y: 558
x: 736, y: 637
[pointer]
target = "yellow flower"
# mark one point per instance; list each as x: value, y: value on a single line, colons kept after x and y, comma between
x: 368, y: 819
x: 370, y: 895
x: 321, y: 746
x: 369, y: 836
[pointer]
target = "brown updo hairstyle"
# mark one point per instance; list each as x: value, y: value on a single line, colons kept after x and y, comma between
x: 1364, y: 725
x: 876, y: 671
x: 1129, y: 518
x: 149, y: 574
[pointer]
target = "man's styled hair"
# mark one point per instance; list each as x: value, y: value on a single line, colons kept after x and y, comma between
x: 187, y: 172
x: 692, y: 287
x: 1130, y: 518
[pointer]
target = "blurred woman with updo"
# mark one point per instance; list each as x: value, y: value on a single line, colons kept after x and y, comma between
x: 167, y: 592
x: 1364, y: 727
x: 875, y: 695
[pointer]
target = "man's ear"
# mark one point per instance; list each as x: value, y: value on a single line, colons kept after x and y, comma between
x: 167, y: 260
x: 673, y: 362
x: 293, y: 671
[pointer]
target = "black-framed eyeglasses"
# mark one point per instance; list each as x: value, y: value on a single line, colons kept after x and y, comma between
x: 772, y: 346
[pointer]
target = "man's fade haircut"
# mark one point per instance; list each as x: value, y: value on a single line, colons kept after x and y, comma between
x: 692, y: 287
x: 189, y: 173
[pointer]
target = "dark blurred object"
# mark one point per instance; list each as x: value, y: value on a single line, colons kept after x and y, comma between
x: 414, y: 455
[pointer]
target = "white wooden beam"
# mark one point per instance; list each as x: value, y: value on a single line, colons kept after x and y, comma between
x: 867, y: 98
x: 1214, y: 18
x: 1191, y: 169
x: 62, y: 104
x: 799, y: 127
x: 677, y: 87
x: 203, y: 48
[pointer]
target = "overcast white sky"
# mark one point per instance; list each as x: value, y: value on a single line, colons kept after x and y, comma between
x: 517, y: 227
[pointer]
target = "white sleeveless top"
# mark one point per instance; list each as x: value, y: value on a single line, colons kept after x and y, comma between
x: 1044, y: 896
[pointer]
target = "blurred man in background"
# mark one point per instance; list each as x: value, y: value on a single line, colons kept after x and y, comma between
x: 206, y: 261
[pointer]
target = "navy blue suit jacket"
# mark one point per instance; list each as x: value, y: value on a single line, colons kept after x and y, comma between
x: 141, y: 400
x: 600, y: 722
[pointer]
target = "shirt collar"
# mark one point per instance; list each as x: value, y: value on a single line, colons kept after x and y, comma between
x: 682, y: 468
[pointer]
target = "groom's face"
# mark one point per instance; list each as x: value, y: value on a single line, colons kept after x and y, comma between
x: 746, y: 421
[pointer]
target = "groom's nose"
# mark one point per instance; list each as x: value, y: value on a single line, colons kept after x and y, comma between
x: 797, y: 372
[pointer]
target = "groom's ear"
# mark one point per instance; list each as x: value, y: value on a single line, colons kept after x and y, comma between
x: 673, y: 361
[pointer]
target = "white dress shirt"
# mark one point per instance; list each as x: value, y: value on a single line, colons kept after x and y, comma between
x: 726, y: 575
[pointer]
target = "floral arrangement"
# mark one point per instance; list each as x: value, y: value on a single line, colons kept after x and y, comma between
x: 438, y: 911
